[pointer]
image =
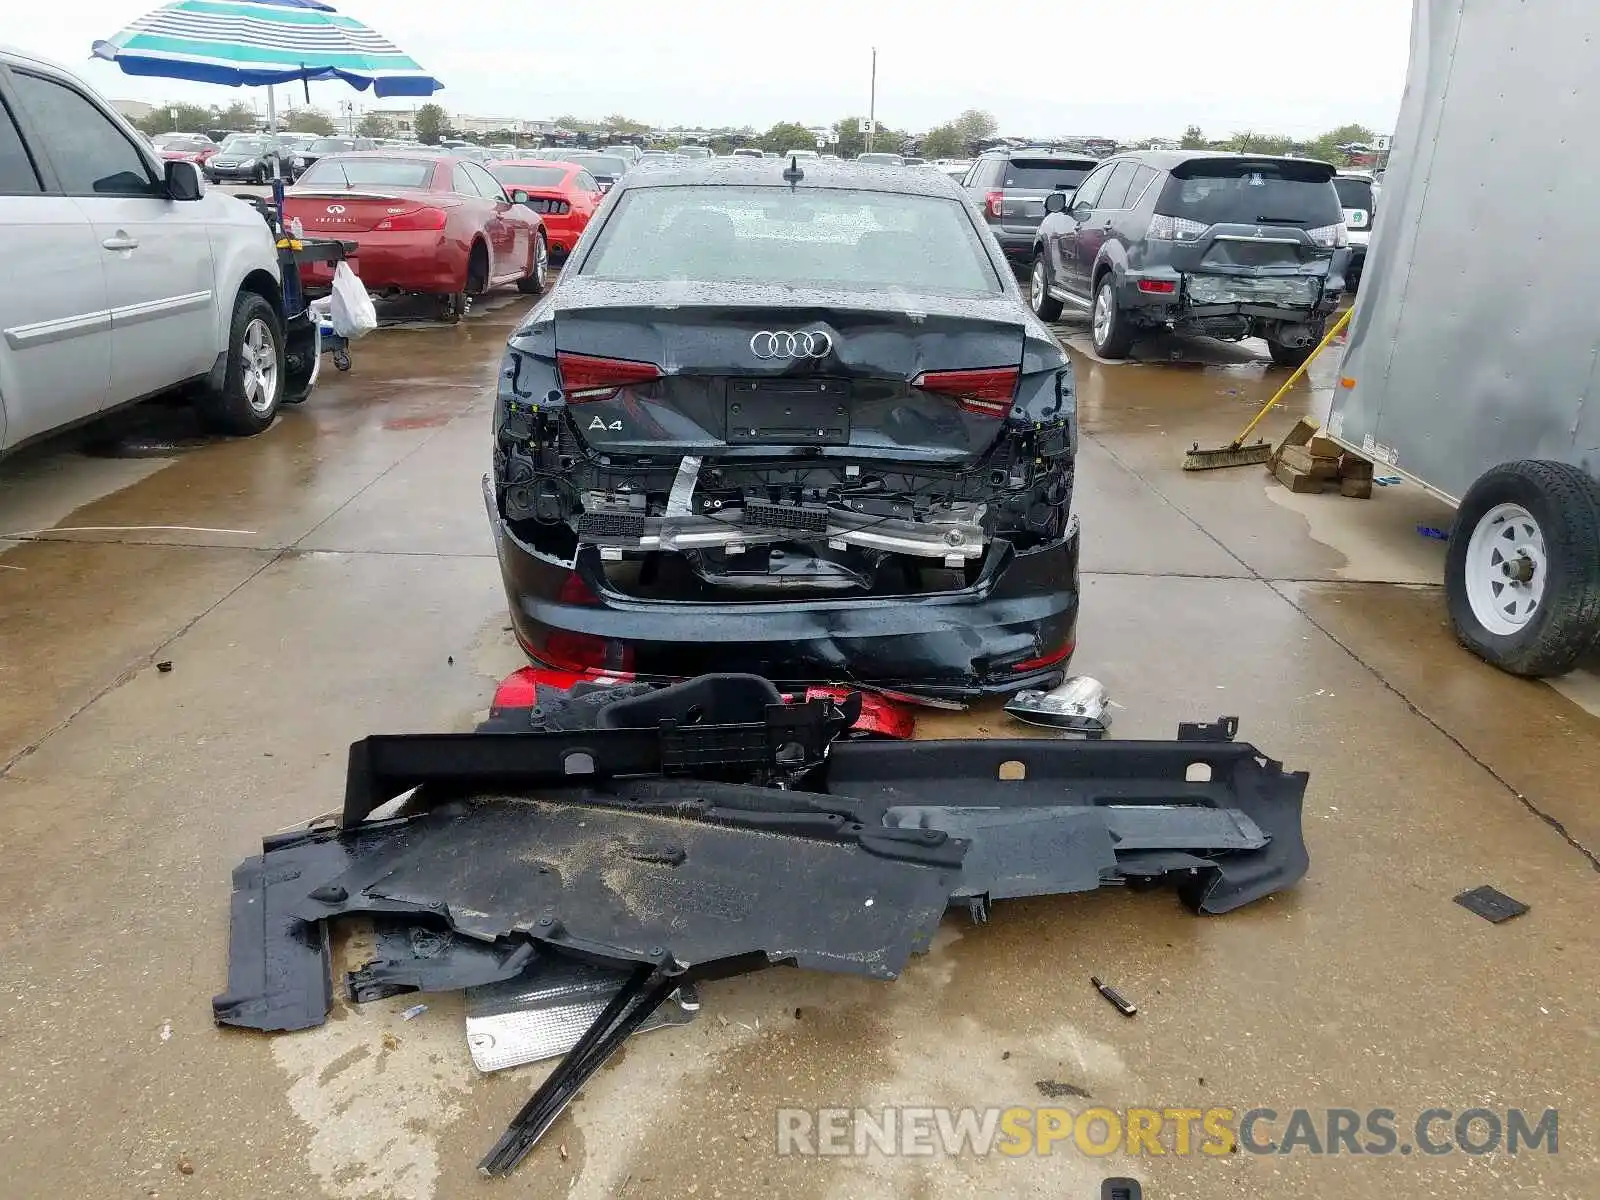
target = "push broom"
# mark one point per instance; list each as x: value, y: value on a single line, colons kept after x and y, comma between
x: 1236, y: 453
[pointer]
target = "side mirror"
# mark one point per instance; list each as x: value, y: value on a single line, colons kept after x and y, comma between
x: 1055, y: 202
x: 183, y: 180
x: 519, y: 196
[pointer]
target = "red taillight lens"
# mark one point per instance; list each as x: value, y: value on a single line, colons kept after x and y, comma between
x: 1045, y: 660
x: 585, y: 378
x: 1158, y: 287
x: 576, y: 591
x: 995, y: 202
x: 416, y: 220
x: 986, y: 392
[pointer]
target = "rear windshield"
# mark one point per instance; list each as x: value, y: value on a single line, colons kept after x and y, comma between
x: 368, y: 172
x: 1354, y: 193
x: 694, y: 151
x: 1246, y: 193
x: 331, y: 145
x: 173, y: 142
x: 882, y: 160
x: 599, y: 164
x: 825, y: 238
x: 543, y: 177
x: 1042, y: 175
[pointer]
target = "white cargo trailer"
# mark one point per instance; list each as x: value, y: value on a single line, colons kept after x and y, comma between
x: 1473, y: 364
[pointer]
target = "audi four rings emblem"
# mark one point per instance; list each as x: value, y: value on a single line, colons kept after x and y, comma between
x: 784, y: 344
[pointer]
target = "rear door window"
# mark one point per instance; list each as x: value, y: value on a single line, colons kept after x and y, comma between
x: 1252, y: 193
x: 1141, y: 180
x: 1043, y: 175
x: 1117, y: 185
x: 1354, y: 193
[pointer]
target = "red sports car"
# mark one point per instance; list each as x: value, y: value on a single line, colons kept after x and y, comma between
x: 427, y: 224
x: 187, y: 147
x: 563, y: 193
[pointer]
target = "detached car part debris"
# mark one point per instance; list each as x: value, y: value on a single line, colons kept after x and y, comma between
x: 543, y: 1013
x: 668, y: 848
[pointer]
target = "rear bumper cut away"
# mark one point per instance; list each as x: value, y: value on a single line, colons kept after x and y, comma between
x: 1012, y: 628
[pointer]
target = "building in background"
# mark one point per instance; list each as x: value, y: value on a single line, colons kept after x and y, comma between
x: 134, y: 110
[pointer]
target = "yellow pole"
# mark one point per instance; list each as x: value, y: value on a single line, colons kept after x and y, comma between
x: 1338, y: 327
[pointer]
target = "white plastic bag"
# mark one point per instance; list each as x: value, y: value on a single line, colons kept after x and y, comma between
x: 353, y: 314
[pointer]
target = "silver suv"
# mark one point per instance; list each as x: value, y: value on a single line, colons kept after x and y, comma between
x: 125, y: 276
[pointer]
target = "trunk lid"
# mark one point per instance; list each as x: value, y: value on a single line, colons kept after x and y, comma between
x: 734, y: 383
x: 341, y: 211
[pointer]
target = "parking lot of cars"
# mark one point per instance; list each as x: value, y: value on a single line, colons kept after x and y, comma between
x: 882, y: 457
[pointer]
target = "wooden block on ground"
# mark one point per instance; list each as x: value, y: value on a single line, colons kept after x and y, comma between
x: 1300, y: 458
x: 1297, y: 481
x: 1302, y: 433
x: 1324, y: 446
x: 1356, y: 489
x: 1353, y: 466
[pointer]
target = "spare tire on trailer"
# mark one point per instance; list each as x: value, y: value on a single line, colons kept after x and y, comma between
x: 1522, y: 575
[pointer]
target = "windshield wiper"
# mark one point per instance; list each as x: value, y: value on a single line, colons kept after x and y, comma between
x: 1279, y: 221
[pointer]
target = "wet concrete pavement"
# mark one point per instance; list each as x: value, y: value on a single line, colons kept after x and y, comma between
x: 335, y: 577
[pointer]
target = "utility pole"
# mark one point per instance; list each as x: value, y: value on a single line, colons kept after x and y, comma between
x: 872, y: 101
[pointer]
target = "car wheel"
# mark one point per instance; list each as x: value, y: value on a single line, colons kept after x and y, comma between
x: 1045, y: 306
x: 1110, y: 330
x: 477, y: 270
x: 534, y: 283
x: 1290, y: 356
x: 252, y: 385
x: 453, y: 306
x: 1522, y: 573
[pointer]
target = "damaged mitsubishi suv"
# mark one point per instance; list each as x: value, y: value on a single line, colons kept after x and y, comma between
x: 790, y: 420
x: 1225, y: 245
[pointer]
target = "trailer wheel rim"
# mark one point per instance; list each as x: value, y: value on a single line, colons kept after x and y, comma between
x: 1505, y: 569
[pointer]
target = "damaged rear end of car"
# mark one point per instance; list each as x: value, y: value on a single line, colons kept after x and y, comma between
x: 807, y: 431
x: 1239, y: 247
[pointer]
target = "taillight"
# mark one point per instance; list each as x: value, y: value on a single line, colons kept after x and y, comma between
x: 1174, y: 229
x: 576, y: 591
x: 414, y: 221
x: 986, y: 392
x: 1158, y: 287
x: 585, y: 377
x: 1334, y: 237
x: 995, y: 202
x: 1054, y: 658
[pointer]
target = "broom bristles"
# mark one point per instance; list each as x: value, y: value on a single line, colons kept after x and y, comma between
x: 1227, y: 456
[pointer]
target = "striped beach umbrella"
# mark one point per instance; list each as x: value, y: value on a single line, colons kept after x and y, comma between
x: 256, y: 43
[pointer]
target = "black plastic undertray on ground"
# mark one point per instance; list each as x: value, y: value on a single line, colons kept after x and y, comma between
x: 848, y: 870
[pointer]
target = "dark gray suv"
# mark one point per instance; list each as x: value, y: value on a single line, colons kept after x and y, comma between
x: 1009, y: 187
x: 1226, y: 245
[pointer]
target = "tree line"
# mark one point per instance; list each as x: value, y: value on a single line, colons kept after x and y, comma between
x: 962, y: 137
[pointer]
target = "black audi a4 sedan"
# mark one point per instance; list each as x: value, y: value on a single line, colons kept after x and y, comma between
x: 792, y: 419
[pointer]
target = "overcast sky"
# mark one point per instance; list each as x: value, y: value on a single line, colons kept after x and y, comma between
x: 1122, y: 68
